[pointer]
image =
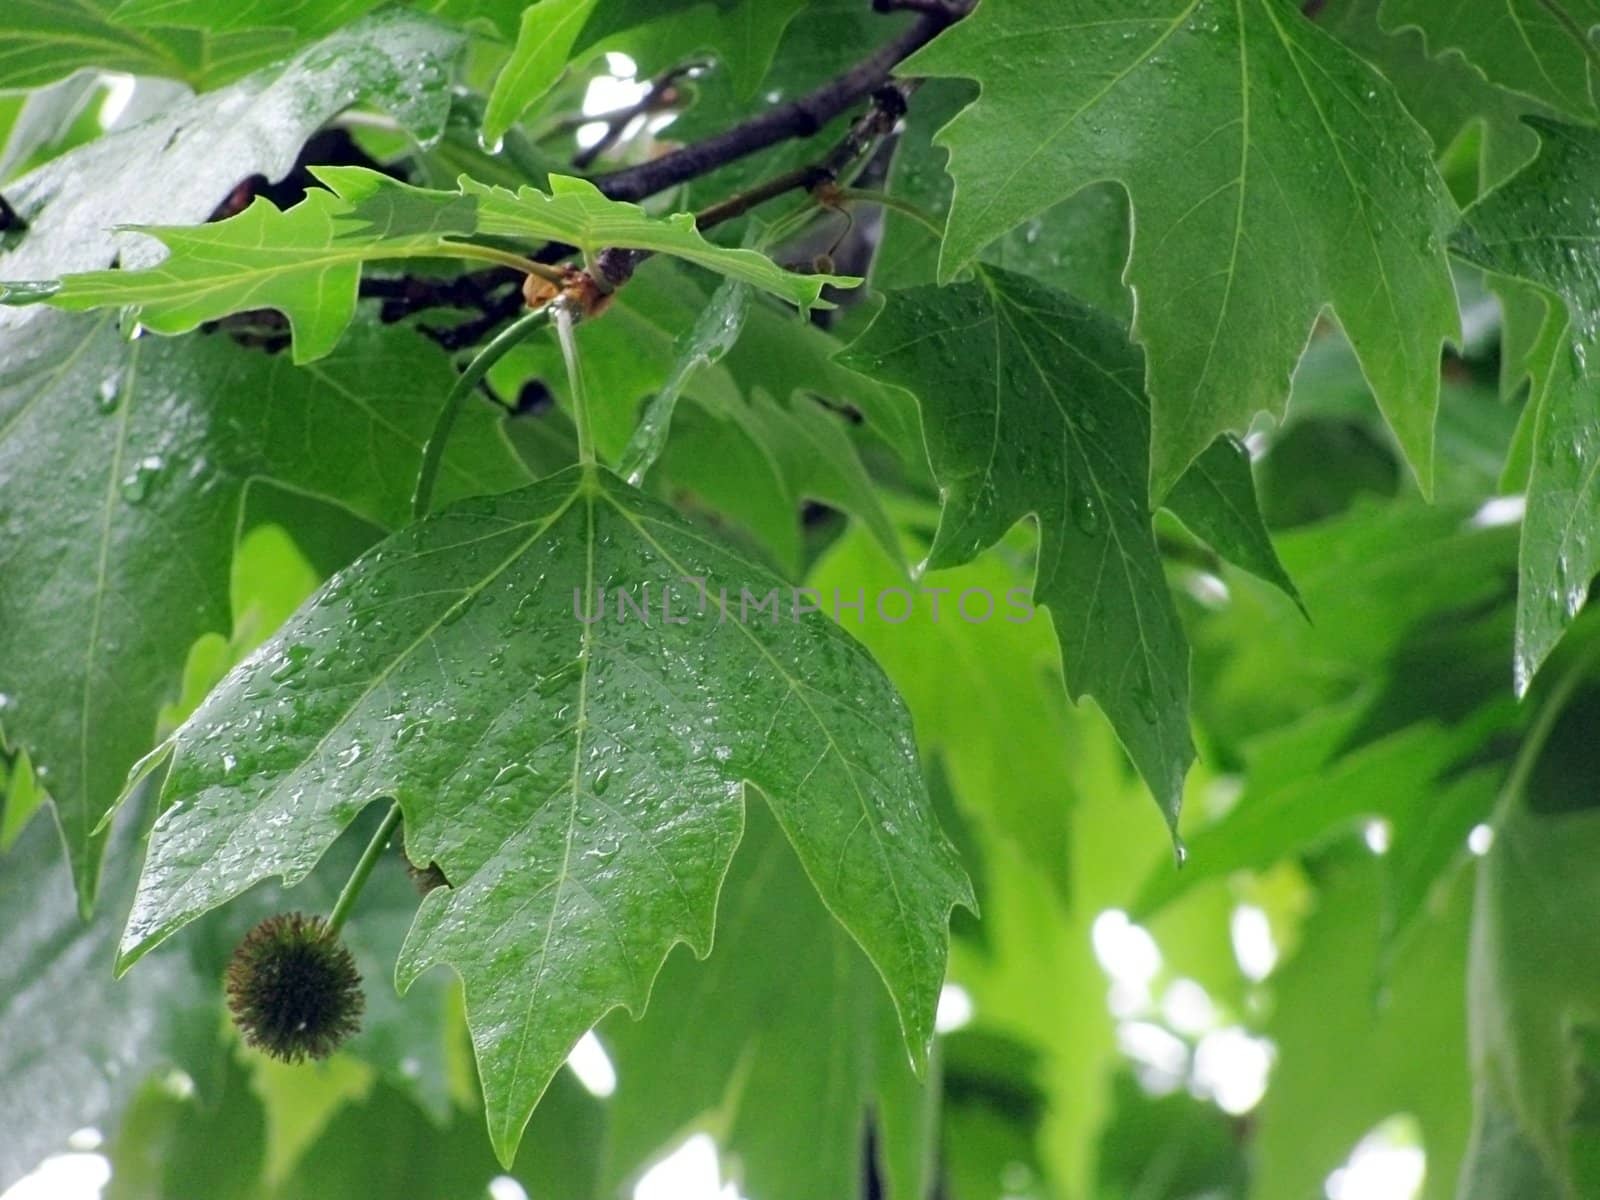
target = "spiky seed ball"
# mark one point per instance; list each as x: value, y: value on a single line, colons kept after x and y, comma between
x: 294, y: 992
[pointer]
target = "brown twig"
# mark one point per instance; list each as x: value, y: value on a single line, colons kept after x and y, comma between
x: 801, y: 117
x: 615, y: 266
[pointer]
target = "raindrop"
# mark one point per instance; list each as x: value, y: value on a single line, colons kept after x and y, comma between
x: 510, y: 772
x: 558, y: 679
x: 293, y: 659
x: 1086, y: 512
x: 1144, y: 700
x: 109, y: 394
x: 136, y: 484
x: 408, y: 732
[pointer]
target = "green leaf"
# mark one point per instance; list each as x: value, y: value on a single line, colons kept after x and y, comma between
x: 628, y: 355
x: 20, y: 798
x: 574, y: 212
x: 544, y: 44
x: 1542, y: 48
x: 1373, y: 579
x: 1011, y: 692
x: 304, y: 18
x: 377, y: 1142
x: 992, y: 1109
x: 803, y: 447
x: 1532, y: 987
x: 1039, y: 981
x: 79, y: 1046
x: 126, y: 468
x: 716, y: 331
x: 1216, y: 499
x: 42, y: 41
x: 1174, y: 1147
x: 1446, y: 95
x: 1540, y: 227
x: 1079, y: 246
x: 760, y: 461
x: 1271, y: 173
x: 386, y: 1146
x: 306, y: 261
x: 1328, y: 794
x: 396, y: 60
x: 167, y: 1144
x: 790, y: 361
x: 757, y: 442
x: 722, y: 1040
x: 578, y: 783
x: 1350, y: 1055
x: 1031, y: 406
x: 49, y: 121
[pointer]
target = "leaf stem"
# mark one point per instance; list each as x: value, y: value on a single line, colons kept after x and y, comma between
x: 580, y: 396
x: 903, y: 207
x: 507, y: 258
x: 433, y: 452
x: 800, y: 117
x: 358, y: 877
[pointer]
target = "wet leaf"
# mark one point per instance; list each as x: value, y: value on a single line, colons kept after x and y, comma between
x: 126, y: 466
x: 580, y: 783
x: 1271, y: 172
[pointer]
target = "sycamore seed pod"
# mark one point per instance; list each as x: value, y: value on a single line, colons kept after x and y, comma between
x: 293, y: 991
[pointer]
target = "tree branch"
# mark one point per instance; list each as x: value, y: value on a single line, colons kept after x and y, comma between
x: 801, y: 117
x: 615, y: 266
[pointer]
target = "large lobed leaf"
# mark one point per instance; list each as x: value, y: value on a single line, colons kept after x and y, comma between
x: 70, y: 464
x: 579, y: 783
x: 397, y: 61
x: 1271, y: 173
x: 1032, y: 405
x: 306, y: 261
x: 42, y: 41
x: 126, y: 467
x: 1542, y: 48
x: 1543, y: 225
x: 1447, y: 95
x: 722, y: 1040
